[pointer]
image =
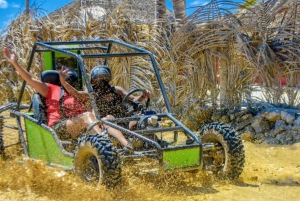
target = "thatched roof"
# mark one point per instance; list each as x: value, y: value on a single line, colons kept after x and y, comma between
x: 144, y: 10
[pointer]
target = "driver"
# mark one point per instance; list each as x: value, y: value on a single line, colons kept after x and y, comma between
x: 108, y: 98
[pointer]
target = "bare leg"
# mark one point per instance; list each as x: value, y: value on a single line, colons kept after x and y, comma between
x: 75, y: 125
x: 114, y: 132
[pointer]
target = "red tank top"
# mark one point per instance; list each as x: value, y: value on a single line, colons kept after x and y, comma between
x: 71, y: 106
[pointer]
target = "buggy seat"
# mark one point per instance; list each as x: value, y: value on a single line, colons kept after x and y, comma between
x: 38, y: 101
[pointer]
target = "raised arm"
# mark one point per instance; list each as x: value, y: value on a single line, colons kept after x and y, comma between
x: 82, y: 96
x: 38, y: 85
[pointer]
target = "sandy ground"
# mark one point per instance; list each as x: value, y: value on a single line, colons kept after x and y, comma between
x: 270, y: 173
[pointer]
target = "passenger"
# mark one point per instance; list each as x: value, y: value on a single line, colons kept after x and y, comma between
x: 108, y: 98
x: 77, y: 119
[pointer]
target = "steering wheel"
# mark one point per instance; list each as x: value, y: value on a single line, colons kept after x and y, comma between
x: 137, y: 106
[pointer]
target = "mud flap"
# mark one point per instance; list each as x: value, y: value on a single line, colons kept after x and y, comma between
x: 42, y: 145
x: 181, y: 158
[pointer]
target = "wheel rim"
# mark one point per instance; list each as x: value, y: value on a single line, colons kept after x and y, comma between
x: 215, y: 159
x: 90, y: 169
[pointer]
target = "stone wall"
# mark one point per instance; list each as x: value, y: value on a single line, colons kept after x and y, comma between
x: 271, y: 125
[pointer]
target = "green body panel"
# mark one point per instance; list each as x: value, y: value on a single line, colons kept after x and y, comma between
x: 181, y: 158
x: 48, y: 61
x: 42, y: 145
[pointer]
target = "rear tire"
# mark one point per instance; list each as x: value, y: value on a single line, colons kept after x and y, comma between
x: 97, y: 160
x: 227, y: 159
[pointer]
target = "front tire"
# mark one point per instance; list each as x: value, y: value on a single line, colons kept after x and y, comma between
x: 227, y: 157
x: 97, y: 160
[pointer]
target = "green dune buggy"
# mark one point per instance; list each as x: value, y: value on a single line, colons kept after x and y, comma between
x: 96, y: 157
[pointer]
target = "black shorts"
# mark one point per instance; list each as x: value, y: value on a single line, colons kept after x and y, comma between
x: 60, y: 128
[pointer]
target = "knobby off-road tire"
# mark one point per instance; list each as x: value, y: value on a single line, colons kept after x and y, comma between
x: 227, y: 159
x: 2, y: 148
x: 97, y: 160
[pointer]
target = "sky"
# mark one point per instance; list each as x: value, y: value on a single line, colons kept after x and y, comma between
x: 9, y: 9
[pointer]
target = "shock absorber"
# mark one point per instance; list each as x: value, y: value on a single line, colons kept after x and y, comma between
x: 2, y: 153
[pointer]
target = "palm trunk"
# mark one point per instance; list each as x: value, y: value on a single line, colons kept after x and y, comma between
x: 179, y: 10
x: 161, y: 10
x: 224, y: 91
x: 27, y: 7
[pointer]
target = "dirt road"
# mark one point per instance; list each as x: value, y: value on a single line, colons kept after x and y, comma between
x: 271, y: 173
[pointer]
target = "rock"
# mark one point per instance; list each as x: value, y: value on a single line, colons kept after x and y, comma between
x: 272, y: 109
x: 241, y: 113
x: 248, y: 136
x: 297, y: 121
x: 279, y: 136
x: 272, y: 115
x: 243, y: 124
x: 232, y: 117
x: 225, y: 119
x: 287, y: 117
x: 246, y: 116
x: 294, y: 133
x: 277, y: 130
x: 296, y: 128
x: 297, y: 138
x: 269, y: 140
x: 288, y: 137
x: 280, y: 123
x: 260, y: 124
x: 260, y: 136
x: 215, y: 117
x: 239, y: 116
x: 249, y: 128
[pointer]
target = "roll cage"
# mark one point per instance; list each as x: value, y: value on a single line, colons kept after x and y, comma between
x: 106, y: 46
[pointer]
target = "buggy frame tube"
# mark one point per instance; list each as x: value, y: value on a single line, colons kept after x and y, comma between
x: 7, y: 107
x: 104, y: 55
x: 189, y: 132
x: 164, y: 93
x: 107, y: 51
x: 75, y: 48
x: 21, y: 135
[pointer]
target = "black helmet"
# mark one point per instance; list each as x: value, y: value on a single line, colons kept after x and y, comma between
x: 52, y: 77
x: 101, y: 70
x: 72, y: 78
